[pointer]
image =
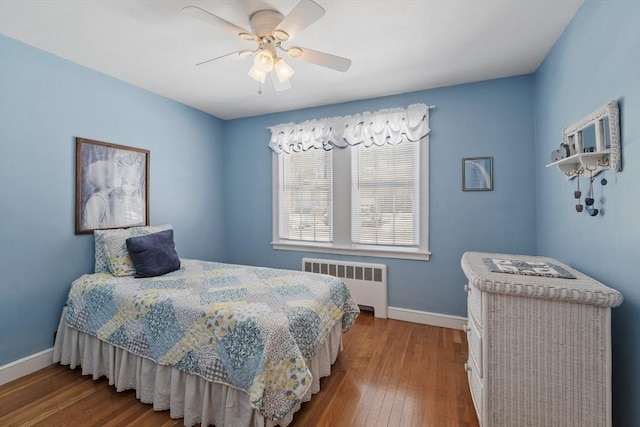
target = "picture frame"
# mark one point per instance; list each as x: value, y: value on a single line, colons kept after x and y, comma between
x: 477, y: 173
x: 112, y: 186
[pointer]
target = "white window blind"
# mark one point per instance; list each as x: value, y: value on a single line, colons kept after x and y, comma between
x: 385, y: 208
x: 305, y: 196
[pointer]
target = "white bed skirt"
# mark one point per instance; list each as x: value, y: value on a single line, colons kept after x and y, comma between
x: 184, y: 395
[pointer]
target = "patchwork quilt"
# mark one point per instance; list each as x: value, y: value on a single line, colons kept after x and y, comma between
x: 247, y: 327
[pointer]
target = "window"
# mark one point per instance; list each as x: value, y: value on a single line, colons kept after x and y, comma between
x: 305, y: 195
x: 359, y: 199
x: 385, y: 195
x: 355, y: 200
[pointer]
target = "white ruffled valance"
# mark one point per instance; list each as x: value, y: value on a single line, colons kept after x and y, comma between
x: 390, y: 126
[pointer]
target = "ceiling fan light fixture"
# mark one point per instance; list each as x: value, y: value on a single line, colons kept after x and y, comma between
x: 295, y: 52
x: 256, y: 74
x: 269, y: 29
x: 264, y: 61
x: 283, y: 70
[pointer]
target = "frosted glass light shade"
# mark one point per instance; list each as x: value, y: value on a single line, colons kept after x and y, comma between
x: 283, y: 70
x: 263, y: 61
x: 256, y: 74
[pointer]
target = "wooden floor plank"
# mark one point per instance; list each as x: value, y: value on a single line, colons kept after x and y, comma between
x: 391, y: 373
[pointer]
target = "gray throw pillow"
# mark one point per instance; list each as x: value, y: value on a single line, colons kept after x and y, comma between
x: 154, y: 254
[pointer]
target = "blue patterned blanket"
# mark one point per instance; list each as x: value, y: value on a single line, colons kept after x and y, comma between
x: 247, y: 327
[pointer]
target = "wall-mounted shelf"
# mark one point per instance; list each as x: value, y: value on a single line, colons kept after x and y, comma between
x: 592, y: 144
x: 584, y: 162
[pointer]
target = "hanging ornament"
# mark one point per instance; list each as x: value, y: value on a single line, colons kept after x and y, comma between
x: 577, y: 194
x: 603, y: 181
x: 589, y: 199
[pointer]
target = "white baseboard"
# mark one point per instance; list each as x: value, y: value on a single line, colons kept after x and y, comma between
x: 25, y: 366
x: 433, y: 319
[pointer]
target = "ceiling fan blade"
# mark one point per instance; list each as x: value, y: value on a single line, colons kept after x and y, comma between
x: 304, y: 14
x: 279, y: 86
x: 229, y: 57
x: 216, y: 21
x: 334, y: 62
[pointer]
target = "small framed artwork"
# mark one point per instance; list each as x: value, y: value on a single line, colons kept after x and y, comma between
x: 477, y: 174
x: 112, y: 186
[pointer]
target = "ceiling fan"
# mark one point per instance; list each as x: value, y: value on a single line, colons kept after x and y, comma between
x: 269, y: 29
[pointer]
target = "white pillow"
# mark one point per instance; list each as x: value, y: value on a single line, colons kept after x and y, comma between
x: 111, y: 248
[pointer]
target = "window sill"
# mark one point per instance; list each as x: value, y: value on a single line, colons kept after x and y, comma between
x: 357, y: 251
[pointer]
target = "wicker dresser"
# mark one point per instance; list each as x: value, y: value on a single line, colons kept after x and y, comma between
x: 539, y: 347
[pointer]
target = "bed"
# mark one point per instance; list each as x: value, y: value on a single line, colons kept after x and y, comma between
x: 213, y: 343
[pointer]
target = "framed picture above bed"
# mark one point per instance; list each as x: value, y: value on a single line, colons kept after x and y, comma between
x: 477, y: 174
x: 112, y: 186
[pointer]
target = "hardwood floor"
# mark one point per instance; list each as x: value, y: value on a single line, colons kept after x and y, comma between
x: 391, y: 373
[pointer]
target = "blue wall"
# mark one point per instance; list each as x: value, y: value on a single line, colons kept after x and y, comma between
x: 596, y: 60
x: 493, y: 118
x: 46, y: 102
x: 198, y: 162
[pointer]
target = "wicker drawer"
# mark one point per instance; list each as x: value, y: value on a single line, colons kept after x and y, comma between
x: 474, y: 302
x: 474, y: 337
x: 476, y: 387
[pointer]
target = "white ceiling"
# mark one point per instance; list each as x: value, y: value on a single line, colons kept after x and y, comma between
x: 396, y: 46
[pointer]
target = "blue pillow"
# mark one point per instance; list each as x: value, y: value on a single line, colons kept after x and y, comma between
x: 154, y: 254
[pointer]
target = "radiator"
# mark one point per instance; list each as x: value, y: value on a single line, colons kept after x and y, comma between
x: 366, y: 282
